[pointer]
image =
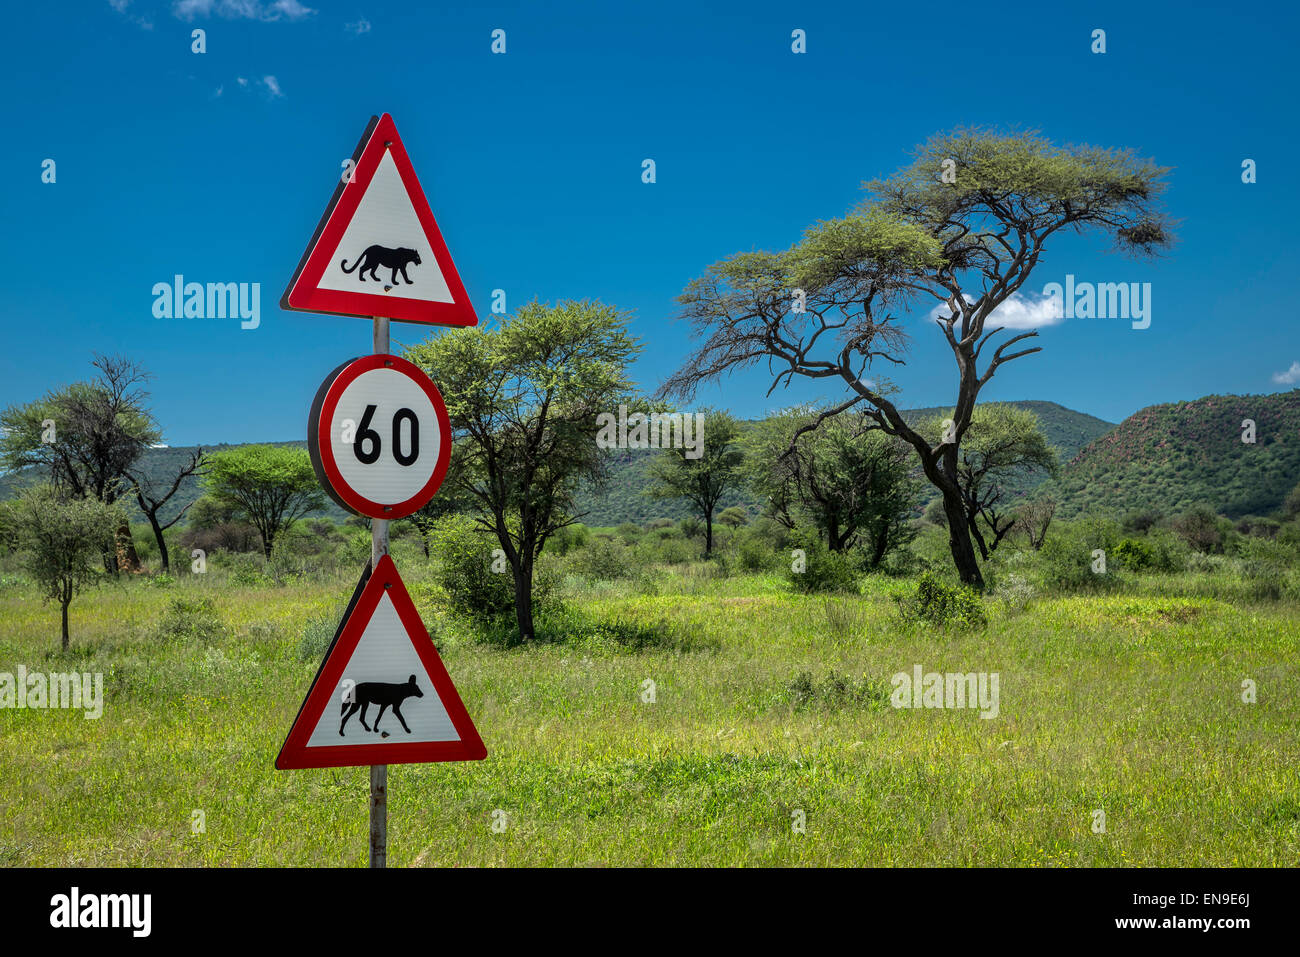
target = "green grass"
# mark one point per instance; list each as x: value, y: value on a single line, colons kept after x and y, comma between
x: 1127, y: 703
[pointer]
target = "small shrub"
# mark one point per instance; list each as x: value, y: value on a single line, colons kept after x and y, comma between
x: 191, y: 619
x: 568, y: 539
x: 753, y: 554
x: 1135, y: 554
x: 835, y: 691
x: 1201, y: 528
x: 162, y: 580
x: 463, y: 552
x: 603, y: 559
x: 317, y: 635
x: 1015, y: 592
x: 940, y: 604
x: 823, y: 570
x: 1066, y: 560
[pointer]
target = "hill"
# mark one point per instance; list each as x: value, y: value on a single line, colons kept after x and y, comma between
x: 1170, y: 457
x: 622, y: 500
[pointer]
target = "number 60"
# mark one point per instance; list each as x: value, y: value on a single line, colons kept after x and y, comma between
x: 367, y: 445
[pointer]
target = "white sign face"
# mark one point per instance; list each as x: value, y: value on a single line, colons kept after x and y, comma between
x: 379, y: 437
x: 386, y: 436
x: 384, y: 245
x: 382, y: 695
x: 376, y: 700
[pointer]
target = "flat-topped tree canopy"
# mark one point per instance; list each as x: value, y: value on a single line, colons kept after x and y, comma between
x: 962, y: 227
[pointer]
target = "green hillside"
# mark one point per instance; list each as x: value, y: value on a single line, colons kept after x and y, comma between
x: 1170, y: 457
x: 623, y: 499
x: 1067, y: 430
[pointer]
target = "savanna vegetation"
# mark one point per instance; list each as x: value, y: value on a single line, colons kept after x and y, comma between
x: 712, y: 686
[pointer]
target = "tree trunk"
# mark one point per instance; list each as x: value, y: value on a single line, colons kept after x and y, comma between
x: 708, y: 534
x: 267, y: 542
x: 881, y: 546
x: 162, y: 542
x: 959, y: 540
x: 66, y: 602
x: 524, y: 600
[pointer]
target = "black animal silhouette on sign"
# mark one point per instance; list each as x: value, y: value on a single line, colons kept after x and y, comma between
x: 384, y: 695
x: 381, y: 257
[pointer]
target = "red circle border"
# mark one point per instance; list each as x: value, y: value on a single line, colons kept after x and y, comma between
x: 325, y: 436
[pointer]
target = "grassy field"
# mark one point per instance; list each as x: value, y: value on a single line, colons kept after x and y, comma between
x: 767, y: 704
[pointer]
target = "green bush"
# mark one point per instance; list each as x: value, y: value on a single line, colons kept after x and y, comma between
x: 819, y: 569
x: 464, y: 555
x: 1065, y: 562
x: 568, y: 539
x: 191, y: 619
x: 753, y: 554
x: 672, y: 549
x: 836, y: 691
x: 242, y: 568
x: 1135, y: 554
x: 603, y: 559
x: 317, y: 635
x: 941, y: 604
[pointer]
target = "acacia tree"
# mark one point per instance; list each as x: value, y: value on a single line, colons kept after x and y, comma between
x: 847, y: 478
x: 271, y: 486
x: 86, y: 437
x: 523, y: 402
x: 1004, y: 446
x: 152, y: 499
x: 1034, y: 518
x: 962, y: 229
x: 703, y: 480
x: 63, y: 538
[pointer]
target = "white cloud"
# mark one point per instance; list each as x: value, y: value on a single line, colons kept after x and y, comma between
x: 1290, y: 377
x: 123, y: 7
x: 1017, y: 312
x: 241, y: 9
x: 272, y: 85
x: 360, y: 27
x: 241, y: 81
x: 219, y: 90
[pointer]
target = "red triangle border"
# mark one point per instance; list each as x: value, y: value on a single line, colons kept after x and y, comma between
x: 303, y: 294
x: 295, y: 754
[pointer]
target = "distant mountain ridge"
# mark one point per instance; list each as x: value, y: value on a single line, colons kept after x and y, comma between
x: 622, y: 500
x: 1170, y: 457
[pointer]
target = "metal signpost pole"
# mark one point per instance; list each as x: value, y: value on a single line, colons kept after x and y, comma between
x: 379, y: 772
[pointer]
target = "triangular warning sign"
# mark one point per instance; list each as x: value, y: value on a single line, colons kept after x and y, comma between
x: 377, y: 250
x: 382, y: 695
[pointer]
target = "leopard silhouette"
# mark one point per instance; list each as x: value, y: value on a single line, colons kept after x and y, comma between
x: 381, y: 257
x: 385, y: 695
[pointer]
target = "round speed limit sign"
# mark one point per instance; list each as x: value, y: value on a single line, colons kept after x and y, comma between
x: 379, y: 436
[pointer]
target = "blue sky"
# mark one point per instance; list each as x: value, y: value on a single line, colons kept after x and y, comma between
x: 167, y: 163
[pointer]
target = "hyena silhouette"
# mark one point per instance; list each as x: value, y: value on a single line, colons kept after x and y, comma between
x: 381, y: 257
x: 384, y: 695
